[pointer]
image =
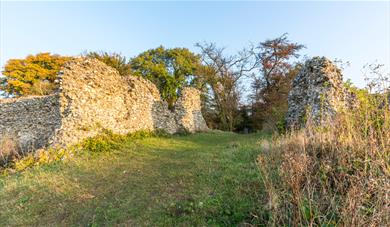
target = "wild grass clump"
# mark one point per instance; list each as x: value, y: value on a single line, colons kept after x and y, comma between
x: 105, y: 141
x: 332, y: 175
x: 108, y: 140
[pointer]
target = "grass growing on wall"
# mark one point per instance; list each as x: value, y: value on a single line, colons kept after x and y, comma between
x: 201, y: 179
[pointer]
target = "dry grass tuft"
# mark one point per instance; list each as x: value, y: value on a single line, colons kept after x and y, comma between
x: 9, y: 149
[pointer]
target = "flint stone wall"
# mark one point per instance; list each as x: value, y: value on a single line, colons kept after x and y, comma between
x: 317, y: 93
x: 93, y: 97
x: 33, y: 121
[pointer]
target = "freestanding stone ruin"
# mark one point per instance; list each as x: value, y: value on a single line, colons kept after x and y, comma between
x: 317, y: 92
x: 91, y: 97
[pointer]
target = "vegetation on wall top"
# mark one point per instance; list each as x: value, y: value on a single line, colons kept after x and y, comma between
x: 115, y: 60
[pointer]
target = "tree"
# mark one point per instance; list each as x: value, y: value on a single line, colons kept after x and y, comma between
x: 115, y: 60
x: 33, y: 75
x: 273, y: 83
x: 223, y: 74
x: 245, y: 124
x: 3, y: 83
x: 169, y: 69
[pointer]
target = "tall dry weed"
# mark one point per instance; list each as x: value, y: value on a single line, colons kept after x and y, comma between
x: 337, y: 174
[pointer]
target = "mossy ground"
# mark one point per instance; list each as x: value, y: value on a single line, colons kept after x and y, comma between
x: 200, y: 179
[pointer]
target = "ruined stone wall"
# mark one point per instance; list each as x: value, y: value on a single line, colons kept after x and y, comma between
x: 93, y: 97
x: 317, y: 92
x: 33, y: 121
x: 188, y: 111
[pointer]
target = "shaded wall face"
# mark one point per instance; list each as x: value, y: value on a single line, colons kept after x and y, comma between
x: 188, y: 111
x: 32, y: 122
x: 163, y: 117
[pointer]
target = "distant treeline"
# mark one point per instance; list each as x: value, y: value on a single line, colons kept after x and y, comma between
x: 269, y: 66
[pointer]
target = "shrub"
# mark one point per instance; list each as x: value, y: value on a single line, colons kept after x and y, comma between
x: 331, y: 175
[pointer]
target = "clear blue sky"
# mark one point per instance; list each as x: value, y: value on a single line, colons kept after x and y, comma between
x: 358, y: 32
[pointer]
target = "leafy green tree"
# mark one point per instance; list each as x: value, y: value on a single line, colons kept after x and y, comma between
x: 33, y: 75
x: 115, y: 60
x: 169, y: 69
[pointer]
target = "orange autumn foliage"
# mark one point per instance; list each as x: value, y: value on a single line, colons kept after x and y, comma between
x: 33, y: 75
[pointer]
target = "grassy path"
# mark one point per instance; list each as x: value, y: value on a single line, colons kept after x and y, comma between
x: 201, y: 179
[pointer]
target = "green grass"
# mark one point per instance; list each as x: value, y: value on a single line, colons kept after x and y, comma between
x: 201, y: 179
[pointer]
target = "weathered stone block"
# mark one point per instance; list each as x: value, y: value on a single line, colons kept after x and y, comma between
x: 317, y: 92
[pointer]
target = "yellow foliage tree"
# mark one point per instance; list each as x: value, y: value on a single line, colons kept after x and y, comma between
x: 33, y: 75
